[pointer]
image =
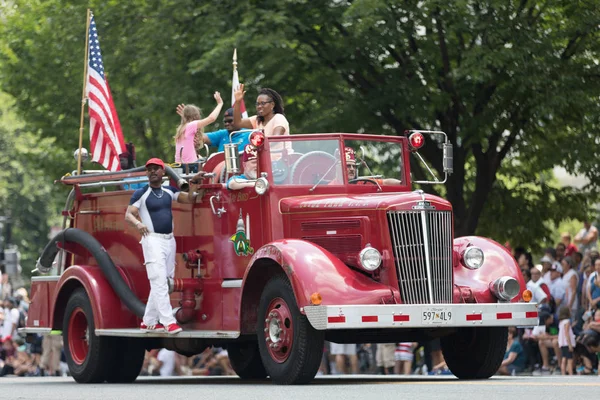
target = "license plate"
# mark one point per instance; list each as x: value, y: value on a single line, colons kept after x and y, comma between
x: 437, y: 316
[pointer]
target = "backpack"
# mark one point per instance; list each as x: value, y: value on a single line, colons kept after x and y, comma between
x: 22, y: 320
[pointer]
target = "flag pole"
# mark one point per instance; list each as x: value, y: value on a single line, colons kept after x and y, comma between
x: 235, y: 59
x: 83, y: 98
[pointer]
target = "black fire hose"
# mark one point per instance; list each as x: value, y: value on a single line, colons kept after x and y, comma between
x: 44, y: 264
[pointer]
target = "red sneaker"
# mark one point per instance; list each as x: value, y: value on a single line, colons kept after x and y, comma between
x: 152, y: 328
x: 173, y: 328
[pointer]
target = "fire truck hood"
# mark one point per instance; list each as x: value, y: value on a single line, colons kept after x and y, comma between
x: 373, y: 201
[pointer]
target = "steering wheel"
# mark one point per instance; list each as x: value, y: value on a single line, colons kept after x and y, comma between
x: 311, y: 166
x: 280, y: 171
x: 355, y: 181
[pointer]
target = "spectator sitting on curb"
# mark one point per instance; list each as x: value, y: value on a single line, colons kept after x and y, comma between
x: 514, y: 358
x: 547, y: 340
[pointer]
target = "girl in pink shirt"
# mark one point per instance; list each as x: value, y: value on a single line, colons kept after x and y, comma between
x: 191, y: 126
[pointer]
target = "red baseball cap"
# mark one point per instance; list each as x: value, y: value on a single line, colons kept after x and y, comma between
x: 156, y: 161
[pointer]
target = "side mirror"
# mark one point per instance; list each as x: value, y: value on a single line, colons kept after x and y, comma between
x: 448, y: 160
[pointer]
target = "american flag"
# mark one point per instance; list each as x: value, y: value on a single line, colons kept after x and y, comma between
x: 106, y: 137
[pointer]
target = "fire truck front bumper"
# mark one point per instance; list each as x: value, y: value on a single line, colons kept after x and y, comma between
x: 421, y: 315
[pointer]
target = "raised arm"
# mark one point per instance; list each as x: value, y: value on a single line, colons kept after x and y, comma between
x: 238, y: 122
x: 212, y: 117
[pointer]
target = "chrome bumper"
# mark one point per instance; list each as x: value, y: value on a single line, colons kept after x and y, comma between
x: 421, y: 315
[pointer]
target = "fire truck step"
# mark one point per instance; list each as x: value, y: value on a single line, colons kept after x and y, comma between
x: 135, y: 332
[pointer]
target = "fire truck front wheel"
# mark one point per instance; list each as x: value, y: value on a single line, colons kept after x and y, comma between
x: 88, y: 355
x: 290, y: 348
x: 475, y: 353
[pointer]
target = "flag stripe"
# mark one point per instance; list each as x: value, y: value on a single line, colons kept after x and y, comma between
x: 106, y: 136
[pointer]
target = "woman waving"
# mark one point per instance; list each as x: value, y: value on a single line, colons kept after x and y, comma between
x: 269, y: 113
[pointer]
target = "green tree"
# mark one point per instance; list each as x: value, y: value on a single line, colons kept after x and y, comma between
x: 26, y: 194
x: 514, y: 83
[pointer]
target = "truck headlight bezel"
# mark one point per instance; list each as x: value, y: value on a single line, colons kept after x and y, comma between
x: 261, y: 185
x: 369, y: 258
x: 473, y: 257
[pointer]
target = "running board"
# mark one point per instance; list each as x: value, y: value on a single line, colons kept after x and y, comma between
x: 181, y: 335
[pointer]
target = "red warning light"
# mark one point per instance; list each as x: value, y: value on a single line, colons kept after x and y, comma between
x: 416, y: 140
x: 257, y: 138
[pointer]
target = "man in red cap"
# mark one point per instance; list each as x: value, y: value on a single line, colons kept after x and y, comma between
x: 150, y: 212
x: 352, y: 172
x: 250, y: 163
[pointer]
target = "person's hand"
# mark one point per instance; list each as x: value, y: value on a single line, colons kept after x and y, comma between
x: 218, y: 98
x: 198, y: 177
x: 142, y: 229
x: 179, y: 109
x: 239, y: 93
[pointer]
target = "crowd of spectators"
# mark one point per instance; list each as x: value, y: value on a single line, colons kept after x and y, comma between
x: 21, y: 355
x: 566, y: 286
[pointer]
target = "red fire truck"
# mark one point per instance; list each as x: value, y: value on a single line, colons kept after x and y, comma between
x: 310, y: 253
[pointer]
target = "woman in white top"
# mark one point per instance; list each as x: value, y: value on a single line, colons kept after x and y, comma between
x: 570, y: 280
x: 269, y: 113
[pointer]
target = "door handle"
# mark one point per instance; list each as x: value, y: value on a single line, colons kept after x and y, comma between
x: 215, y: 210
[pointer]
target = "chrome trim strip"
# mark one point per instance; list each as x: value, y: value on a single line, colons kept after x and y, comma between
x: 41, y: 331
x: 233, y: 283
x: 49, y: 278
x: 425, y: 228
x: 133, y: 332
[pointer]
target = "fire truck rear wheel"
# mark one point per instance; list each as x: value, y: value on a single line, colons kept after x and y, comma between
x: 245, y: 360
x: 290, y: 348
x: 88, y: 355
x: 475, y: 353
x: 128, y: 357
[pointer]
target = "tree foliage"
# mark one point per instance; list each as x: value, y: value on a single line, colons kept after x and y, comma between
x: 514, y: 83
x: 27, y: 195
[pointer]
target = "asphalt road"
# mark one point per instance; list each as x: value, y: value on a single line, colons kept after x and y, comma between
x: 330, y: 388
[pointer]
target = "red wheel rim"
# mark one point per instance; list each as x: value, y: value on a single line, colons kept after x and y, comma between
x: 78, y: 336
x: 279, y: 330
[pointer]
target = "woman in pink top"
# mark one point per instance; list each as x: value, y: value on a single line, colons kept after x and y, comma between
x: 269, y: 113
x: 191, y: 126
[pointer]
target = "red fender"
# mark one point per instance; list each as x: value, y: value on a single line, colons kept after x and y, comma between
x: 109, y: 311
x: 498, y: 262
x: 310, y: 269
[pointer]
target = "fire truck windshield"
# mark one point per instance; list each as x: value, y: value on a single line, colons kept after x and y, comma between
x: 319, y: 162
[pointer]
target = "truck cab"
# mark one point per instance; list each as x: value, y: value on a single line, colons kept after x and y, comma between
x: 332, y: 242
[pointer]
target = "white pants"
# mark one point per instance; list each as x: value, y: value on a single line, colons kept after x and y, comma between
x: 159, y: 256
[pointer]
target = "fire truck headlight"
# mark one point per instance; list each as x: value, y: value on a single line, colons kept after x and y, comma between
x: 261, y: 186
x: 473, y: 258
x: 370, y: 258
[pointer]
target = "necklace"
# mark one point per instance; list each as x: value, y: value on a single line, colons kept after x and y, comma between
x: 161, y: 193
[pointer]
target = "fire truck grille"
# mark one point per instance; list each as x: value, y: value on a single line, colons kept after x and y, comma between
x: 422, y: 242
